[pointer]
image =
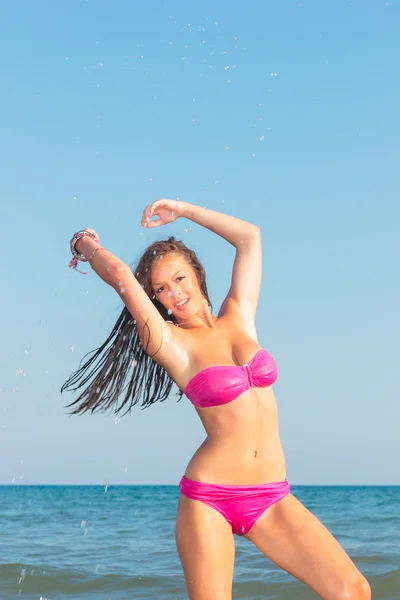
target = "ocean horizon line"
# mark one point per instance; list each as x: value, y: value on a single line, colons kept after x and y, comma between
x: 127, y: 485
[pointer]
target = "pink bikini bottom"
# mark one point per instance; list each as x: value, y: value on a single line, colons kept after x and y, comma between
x: 240, y: 505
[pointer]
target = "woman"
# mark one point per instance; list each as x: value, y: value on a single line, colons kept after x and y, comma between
x: 235, y: 482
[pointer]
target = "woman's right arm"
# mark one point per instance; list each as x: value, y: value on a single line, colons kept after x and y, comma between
x: 155, y: 335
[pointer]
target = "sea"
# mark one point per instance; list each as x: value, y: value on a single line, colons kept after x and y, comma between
x: 118, y: 542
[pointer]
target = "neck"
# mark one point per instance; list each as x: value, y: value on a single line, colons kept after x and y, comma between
x: 204, y: 319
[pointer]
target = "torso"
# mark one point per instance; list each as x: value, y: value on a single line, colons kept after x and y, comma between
x: 242, y: 444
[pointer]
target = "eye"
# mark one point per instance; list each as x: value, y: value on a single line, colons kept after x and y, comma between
x: 180, y: 277
x: 159, y: 290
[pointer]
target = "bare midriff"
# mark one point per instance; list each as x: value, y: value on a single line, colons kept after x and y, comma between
x: 243, y: 445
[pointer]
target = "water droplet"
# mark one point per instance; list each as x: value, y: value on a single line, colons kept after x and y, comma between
x: 169, y: 311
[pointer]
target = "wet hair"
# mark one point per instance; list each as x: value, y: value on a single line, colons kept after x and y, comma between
x: 120, y: 374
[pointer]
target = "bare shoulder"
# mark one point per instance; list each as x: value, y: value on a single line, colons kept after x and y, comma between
x: 233, y: 313
x: 175, y: 357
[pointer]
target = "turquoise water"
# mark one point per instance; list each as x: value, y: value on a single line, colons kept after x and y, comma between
x: 95, y: 543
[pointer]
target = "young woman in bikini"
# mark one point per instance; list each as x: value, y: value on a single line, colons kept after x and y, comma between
x: 236, y: 481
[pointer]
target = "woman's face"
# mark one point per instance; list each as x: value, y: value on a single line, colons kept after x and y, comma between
x: 175, y: 285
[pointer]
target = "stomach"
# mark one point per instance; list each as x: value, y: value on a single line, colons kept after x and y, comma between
x: 243, y: 445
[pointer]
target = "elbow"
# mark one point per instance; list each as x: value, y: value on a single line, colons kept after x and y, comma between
x: 254, y: 232
x: 252, y: 238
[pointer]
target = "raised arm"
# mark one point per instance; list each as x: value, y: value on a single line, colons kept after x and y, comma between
x: 235, y: 231
x: 155, y: 334
x: 245, y: 237
x: 247, y: 266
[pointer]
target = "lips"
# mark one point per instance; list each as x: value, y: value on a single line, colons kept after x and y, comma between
x: 183, y: 304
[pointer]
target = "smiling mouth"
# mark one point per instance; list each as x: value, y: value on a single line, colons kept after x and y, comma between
x: 183, y: 304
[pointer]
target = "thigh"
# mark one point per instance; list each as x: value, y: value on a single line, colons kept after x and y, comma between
x: 206, y: 549
x: 294, y: 539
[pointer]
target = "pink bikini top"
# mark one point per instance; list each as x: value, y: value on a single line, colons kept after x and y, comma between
x: 222, y: 384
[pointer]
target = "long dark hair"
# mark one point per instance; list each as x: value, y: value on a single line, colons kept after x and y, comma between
x: 121, y: 365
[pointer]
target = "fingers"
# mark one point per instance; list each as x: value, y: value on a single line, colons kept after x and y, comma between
x: 152, y: 210
x: 148, y: 212
x: 146, y: 220
x: 145, y: 216
x: 154, y: 223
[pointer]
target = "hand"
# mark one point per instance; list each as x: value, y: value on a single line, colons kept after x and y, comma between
x: 166, y: 210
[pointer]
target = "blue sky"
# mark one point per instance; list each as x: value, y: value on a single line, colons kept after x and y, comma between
x: 281, y: 113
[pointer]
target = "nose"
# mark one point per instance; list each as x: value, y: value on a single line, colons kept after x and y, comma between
x: 176, y: 289
x: 175, y: 293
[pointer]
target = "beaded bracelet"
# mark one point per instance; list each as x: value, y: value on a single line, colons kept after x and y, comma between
x: 77, y: 255
x: 77, y: 236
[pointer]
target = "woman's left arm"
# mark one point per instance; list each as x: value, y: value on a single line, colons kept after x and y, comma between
x: 247, y: 266
x: 244, y: 236
x: 233, y: 230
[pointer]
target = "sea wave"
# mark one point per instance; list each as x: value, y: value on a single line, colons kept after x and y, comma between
x: 30, y: 581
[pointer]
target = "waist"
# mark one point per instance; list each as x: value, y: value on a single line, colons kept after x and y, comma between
x: 238, y: 462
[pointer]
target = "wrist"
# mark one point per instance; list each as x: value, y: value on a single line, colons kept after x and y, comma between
x: 184, y: 209
x: 78, y: 245
x: 85, y: 245
x: 82, y: 243
x: 80, y: 239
